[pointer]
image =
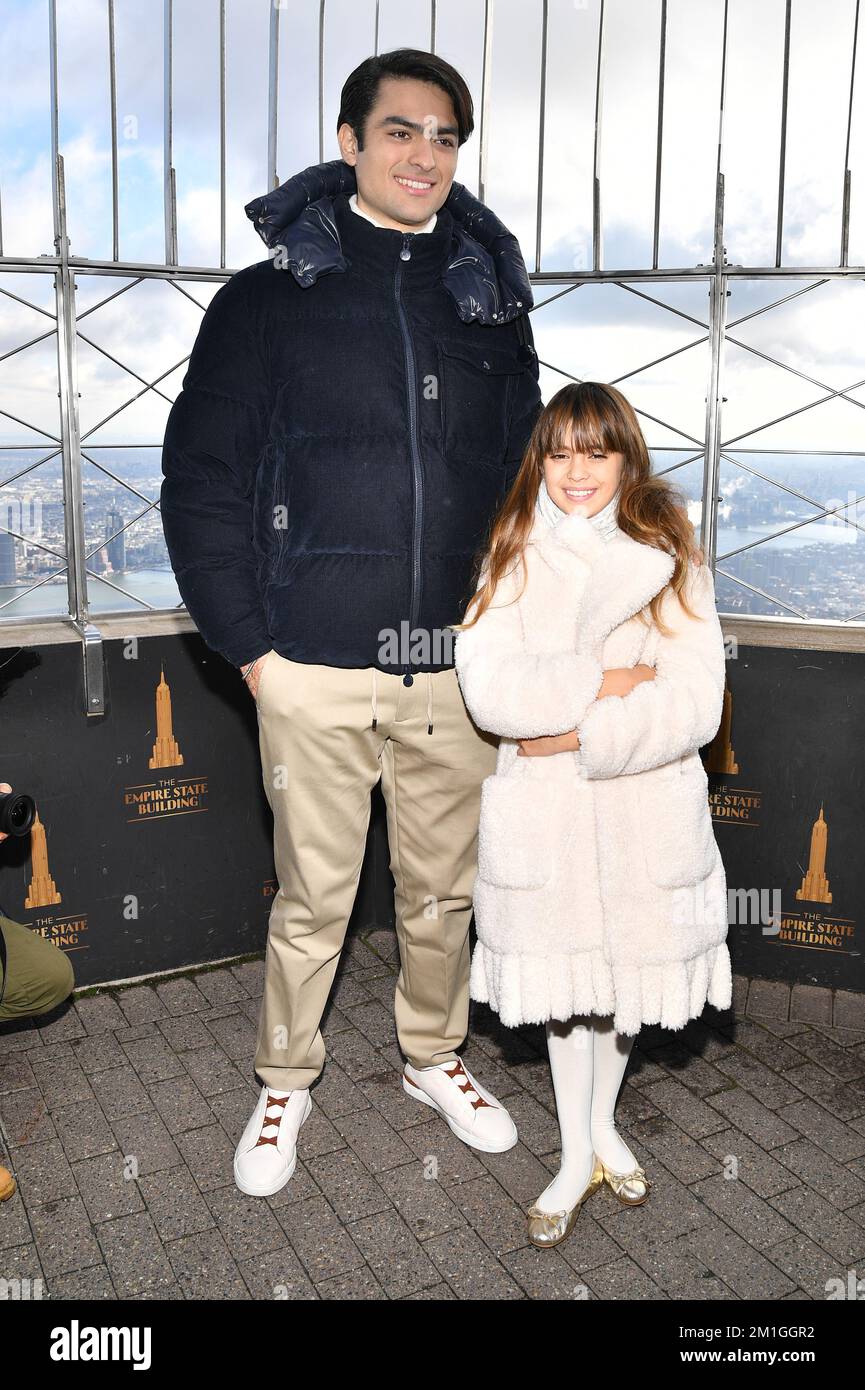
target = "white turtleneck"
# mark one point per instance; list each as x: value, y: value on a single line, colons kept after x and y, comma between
x: 352, y: 202
x: 604, y: 521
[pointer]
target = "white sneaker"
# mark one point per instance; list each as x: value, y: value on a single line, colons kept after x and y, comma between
x: 266, y: 1156
x: 472, y: 1113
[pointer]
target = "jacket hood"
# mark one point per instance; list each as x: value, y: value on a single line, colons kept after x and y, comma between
x: 485, y: 272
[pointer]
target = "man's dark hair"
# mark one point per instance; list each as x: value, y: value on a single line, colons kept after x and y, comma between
x: 360, y: 89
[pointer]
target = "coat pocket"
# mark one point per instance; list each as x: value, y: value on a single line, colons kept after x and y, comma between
x: 524, y: 823
x: 476, y: 395
x: 679, y: 844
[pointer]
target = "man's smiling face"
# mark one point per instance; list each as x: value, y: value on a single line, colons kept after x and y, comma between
x: 409, y: 157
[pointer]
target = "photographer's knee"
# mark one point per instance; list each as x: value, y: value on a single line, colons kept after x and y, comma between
x: 59, y: 980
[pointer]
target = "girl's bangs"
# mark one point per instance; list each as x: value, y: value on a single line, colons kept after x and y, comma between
x: 582, y: 428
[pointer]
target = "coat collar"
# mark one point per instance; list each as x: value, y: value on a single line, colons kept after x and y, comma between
x: 477, y: 259
x: 623, y: 574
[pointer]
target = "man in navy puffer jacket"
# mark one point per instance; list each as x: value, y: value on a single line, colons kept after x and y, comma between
x: 354, y: 411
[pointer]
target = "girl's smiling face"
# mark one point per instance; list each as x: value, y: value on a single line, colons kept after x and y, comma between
x: 582, y: 482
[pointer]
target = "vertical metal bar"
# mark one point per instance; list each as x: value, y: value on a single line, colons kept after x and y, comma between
x: 717, y: 321
x: 782, y: 163
x: 596, y: 154
x: 485, y: 99
x: 540, y: 203
x: 222, y: 134
x: 432, y: 26
x: 662, y: 64
x: 375, y: 44
x: 67, y: 380
x: 722, y: 96
x: 70, y: 430
x: 55, y: 120
x: 169, y: 191
x: 845, y: 220
x: 718, y: 293
x: 321, y: 83
x: 845, y: 205
x: 112, y: 77
x: 166, y: 124
x: 172, y: 203
x: 272, y: 95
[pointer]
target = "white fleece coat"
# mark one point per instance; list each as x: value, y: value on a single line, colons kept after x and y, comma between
x: 600, y: 886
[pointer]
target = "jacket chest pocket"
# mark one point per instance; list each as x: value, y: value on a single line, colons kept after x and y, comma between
x: 678, y: 840
x: 476, y: 393
x: 525, y: 826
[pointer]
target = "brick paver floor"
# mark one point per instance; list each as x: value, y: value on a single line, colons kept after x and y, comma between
x: 120, y: 1112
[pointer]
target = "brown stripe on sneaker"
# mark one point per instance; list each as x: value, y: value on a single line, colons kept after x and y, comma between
x: 271, y: 1139
x: 458, y: 1070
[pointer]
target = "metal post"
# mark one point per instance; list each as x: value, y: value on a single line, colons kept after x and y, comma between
x: 597, y: 230
x: 112, y: 78
x: 321, y: 83
x: 659, y: 150
x: 718, y: 292
x: 717, y: 320
x: 542, y: 121
x: 485, y: 100
x: 272, y: 96
x: 169, y: 192
x: 222, y: 134
x: 845, y: 205
x: 70, y: 434
x: 782, y: 159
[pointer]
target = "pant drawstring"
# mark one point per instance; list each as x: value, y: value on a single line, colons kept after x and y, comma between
x: 374, y: 710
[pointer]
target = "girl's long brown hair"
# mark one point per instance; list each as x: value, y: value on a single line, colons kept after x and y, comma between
x: 589, y: 416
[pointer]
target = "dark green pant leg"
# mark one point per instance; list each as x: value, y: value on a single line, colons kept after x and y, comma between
x: 39, y: 976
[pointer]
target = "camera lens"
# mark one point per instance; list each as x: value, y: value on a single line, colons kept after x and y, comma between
x: 17, y: 813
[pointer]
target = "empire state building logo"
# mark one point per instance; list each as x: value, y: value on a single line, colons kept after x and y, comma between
x: 720, y: 757
x: 165, y: 750
x: 815, y: 884
x: 43, y: 890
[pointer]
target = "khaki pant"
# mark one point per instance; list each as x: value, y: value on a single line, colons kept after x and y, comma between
x: 320, y: 760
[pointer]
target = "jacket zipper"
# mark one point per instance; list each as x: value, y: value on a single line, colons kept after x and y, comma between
x: 411, y: 385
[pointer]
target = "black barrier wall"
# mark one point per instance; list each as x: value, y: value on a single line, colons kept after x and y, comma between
x: 153, y: 847
x: 154, y: 844
x: 787, y: 791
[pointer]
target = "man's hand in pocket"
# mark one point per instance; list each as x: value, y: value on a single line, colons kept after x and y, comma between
x: 254, y: 675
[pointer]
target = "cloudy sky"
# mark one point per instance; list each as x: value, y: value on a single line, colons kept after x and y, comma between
x: 600, y: 331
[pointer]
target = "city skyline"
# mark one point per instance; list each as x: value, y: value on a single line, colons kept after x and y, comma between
x: 817, y: 568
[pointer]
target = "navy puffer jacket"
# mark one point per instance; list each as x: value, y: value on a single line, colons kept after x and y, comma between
x: 346, y: 429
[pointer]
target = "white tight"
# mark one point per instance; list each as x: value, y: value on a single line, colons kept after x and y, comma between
x: 588, y: 1060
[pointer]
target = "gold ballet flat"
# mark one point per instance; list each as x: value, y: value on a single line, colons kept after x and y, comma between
x: 548, y: 1228
x: 632, y: 1188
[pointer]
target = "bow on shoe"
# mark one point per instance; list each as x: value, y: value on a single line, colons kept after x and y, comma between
x: 551, y: 1219
x: 620, y: 1181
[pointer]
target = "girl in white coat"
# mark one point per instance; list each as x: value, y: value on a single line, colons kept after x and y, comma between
x: 592, y: 647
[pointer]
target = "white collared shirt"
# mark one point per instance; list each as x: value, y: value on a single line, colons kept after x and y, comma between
x: 352, y: 202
